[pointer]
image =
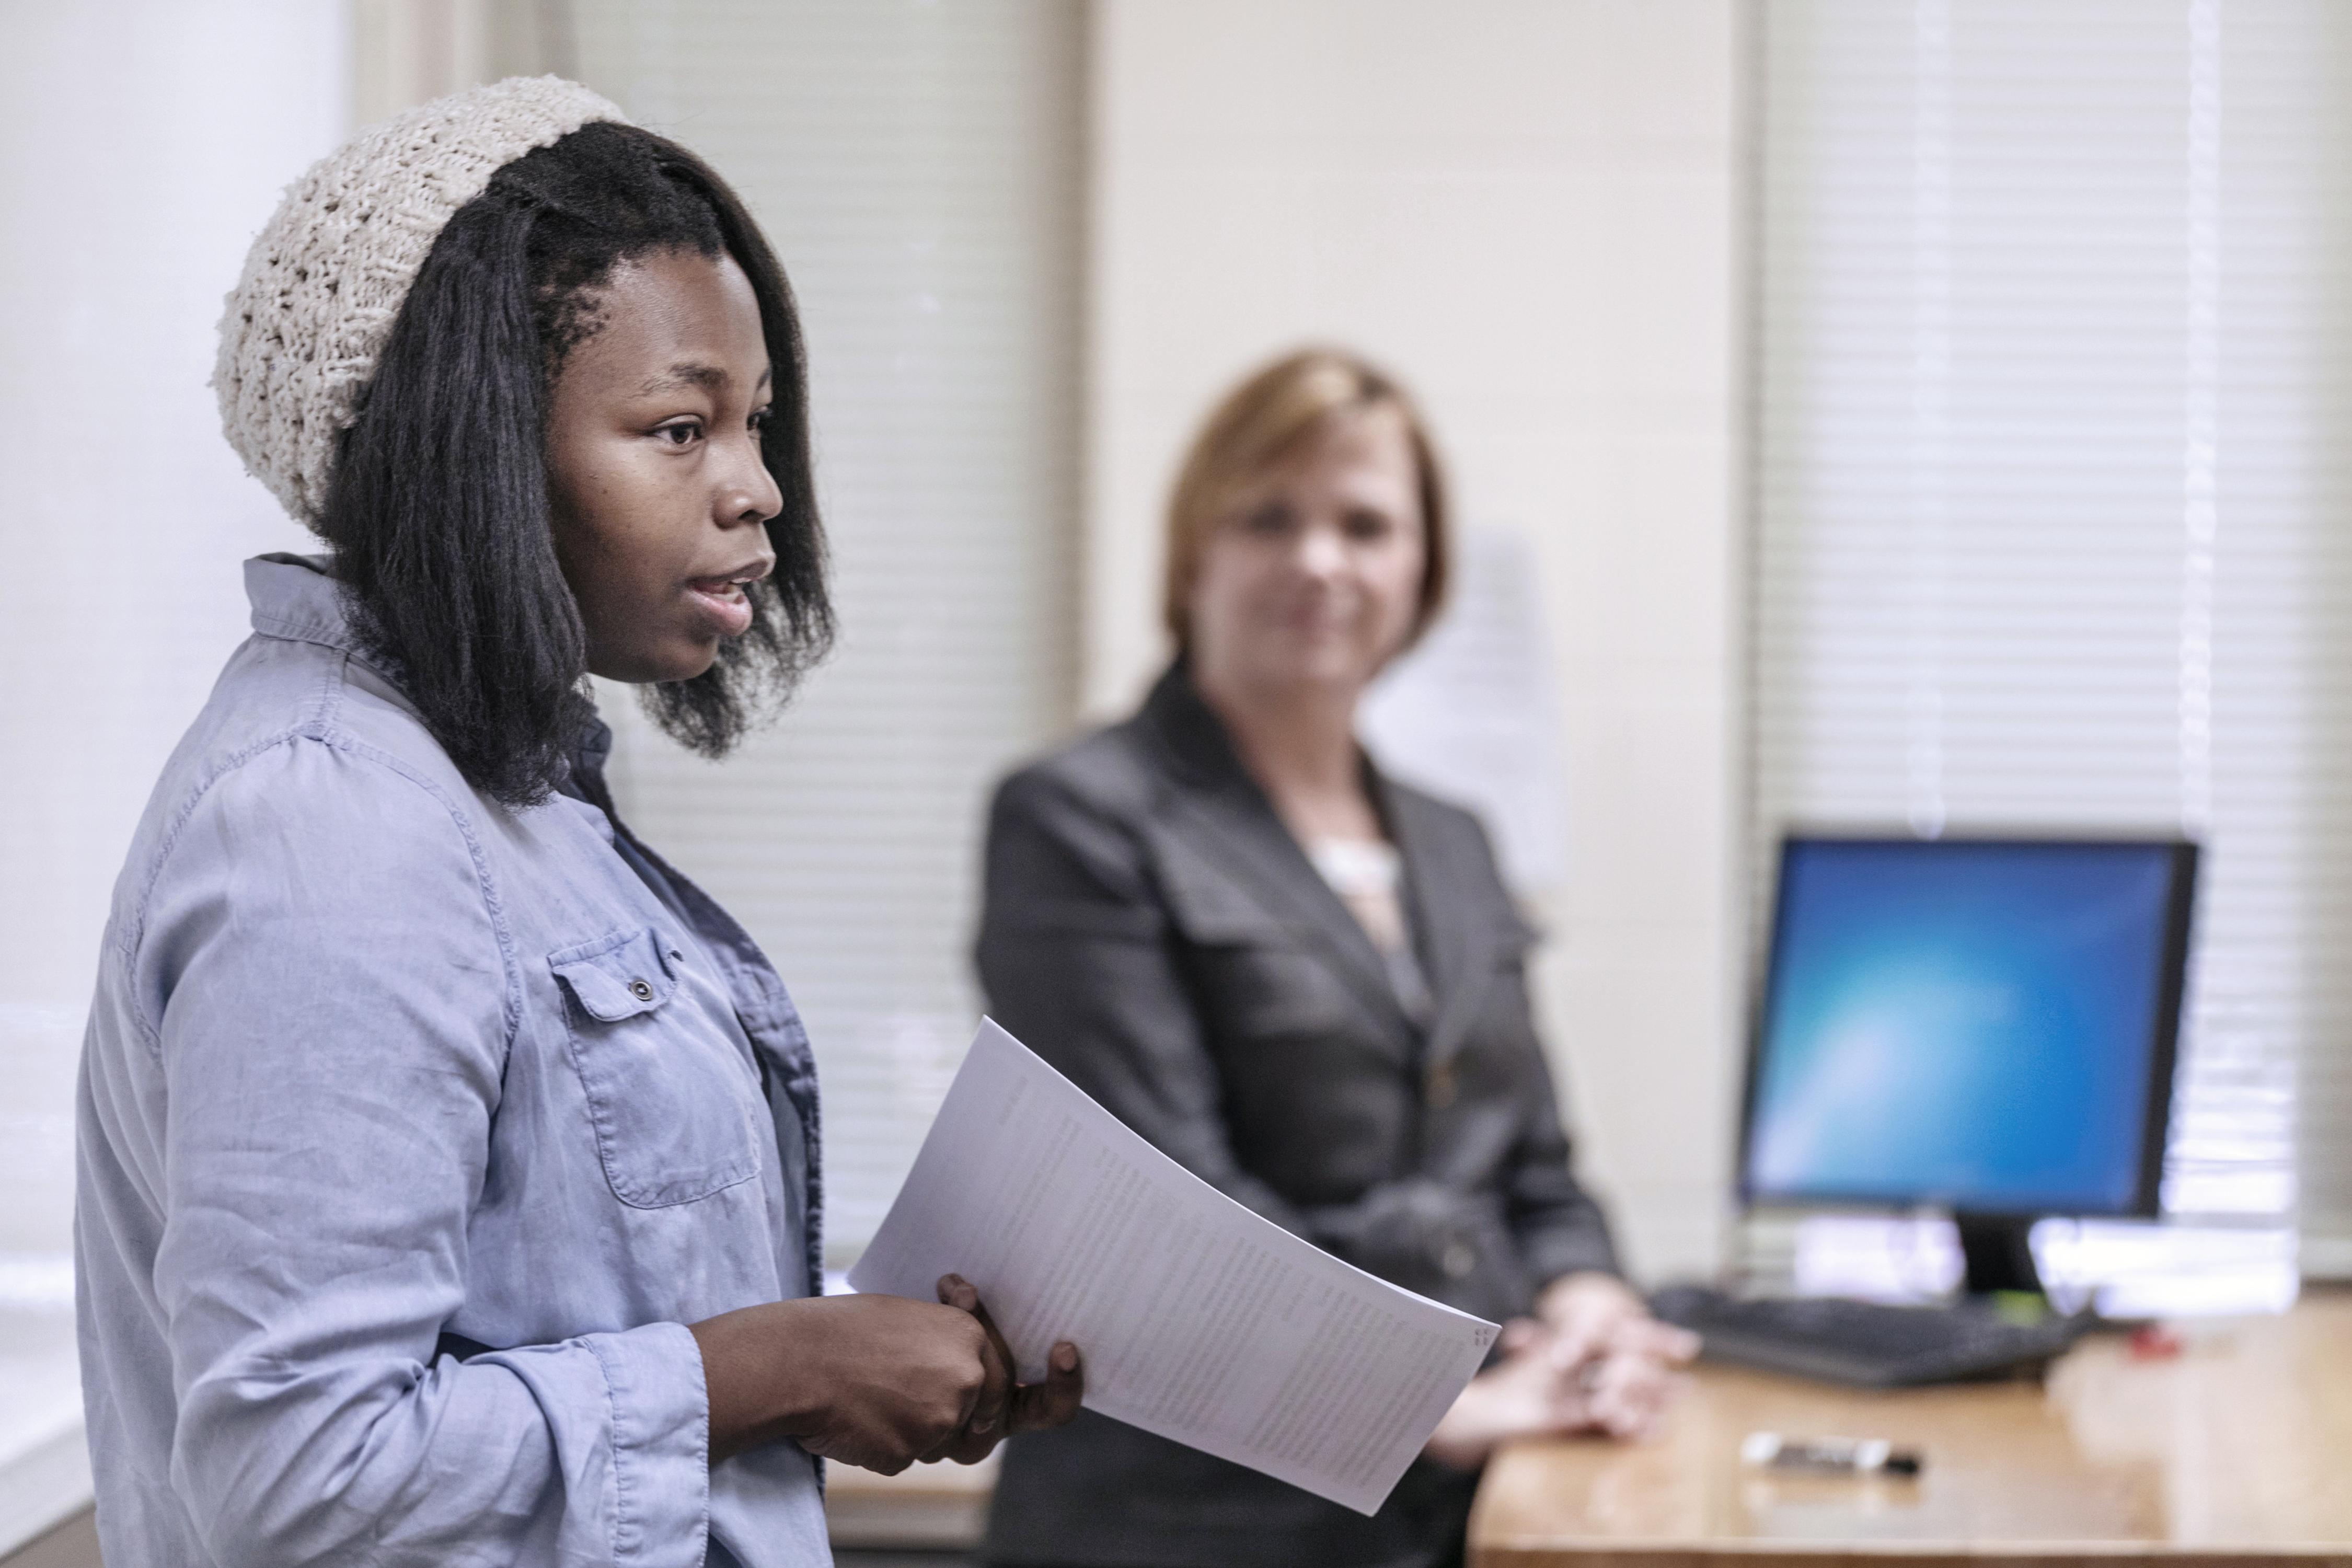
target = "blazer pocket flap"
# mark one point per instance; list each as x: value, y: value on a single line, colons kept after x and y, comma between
x: 1063, y: 920
x: 1214, y: 914
x: 617, y: 977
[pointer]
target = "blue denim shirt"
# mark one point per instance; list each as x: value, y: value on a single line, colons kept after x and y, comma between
x: 374, y: 1060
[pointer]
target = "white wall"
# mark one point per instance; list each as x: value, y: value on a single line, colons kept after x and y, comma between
x: 1527, y: 208
x: 141, y: 146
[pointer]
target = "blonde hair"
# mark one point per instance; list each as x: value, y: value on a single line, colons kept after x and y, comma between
x: 1272, y: 414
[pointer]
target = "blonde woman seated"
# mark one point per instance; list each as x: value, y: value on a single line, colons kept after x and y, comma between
x: 1305, y: 982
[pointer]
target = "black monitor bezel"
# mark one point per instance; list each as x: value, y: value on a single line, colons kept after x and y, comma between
x: 2182, y: 857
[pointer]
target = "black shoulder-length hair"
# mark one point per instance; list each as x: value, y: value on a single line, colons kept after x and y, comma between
x: 438, y: 509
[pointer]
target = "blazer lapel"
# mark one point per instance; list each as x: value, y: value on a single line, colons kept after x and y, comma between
x: 1242, y: 832
x: 1461, y: 941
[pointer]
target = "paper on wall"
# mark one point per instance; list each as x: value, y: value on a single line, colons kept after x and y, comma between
x: 1199, y: 1320
x: 1471, y: 712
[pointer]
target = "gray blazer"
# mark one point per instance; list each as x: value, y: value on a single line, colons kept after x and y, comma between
x: 1154, y: 930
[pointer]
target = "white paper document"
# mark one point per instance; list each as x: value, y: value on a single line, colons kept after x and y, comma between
x: 1199, y: 1320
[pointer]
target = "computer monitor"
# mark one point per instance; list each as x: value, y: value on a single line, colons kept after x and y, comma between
x: 1983, y: 1024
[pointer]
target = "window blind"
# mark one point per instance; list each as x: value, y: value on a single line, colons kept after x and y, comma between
x: 2052, y: 353
x: 917, y: 168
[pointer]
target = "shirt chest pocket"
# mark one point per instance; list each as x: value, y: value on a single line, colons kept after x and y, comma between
x: 667, y: 1092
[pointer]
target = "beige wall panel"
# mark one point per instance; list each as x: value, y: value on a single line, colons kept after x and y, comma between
x: 1529, y: 210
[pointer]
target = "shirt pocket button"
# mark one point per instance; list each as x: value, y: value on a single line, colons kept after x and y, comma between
x: 641, y: 991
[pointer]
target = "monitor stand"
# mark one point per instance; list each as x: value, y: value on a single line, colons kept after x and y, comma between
x: 1997, y: 1254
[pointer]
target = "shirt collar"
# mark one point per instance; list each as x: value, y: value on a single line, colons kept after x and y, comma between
x: 299, y: 601
x: 296, y: 598
x: 589, y: 754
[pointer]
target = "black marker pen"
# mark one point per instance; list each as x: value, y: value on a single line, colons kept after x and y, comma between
x: 1847, y: 1456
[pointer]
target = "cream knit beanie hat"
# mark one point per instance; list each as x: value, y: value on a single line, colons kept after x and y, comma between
x: 326, y: 277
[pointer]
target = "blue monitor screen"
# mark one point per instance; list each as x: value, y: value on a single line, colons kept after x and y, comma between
x: 1971, y: 1024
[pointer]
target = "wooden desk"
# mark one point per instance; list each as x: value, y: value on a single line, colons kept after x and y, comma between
x: 938, y: 1506
x: 2237, y: 1451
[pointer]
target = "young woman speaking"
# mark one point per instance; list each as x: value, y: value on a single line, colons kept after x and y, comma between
x: 449, y: 1162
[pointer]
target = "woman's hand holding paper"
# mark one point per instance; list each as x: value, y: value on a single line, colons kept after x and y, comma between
x: 879, y: 1382
x: 1008, y: 1408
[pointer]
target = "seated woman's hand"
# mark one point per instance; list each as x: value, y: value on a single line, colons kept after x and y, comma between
x: 1525, y: 1395
x: 877, y: 1382
x: 1625, y: 1392
x: 1593, y: 1315
x: 1607, y: 1370
x: 1601, y: 1333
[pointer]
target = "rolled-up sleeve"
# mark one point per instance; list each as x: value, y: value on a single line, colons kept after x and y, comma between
x: 333, y: 996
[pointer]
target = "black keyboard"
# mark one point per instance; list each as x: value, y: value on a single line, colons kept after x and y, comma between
x: 1861, y: 1342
